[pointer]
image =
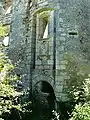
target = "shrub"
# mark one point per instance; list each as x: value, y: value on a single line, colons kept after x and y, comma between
x: 8, y: 95
x: 78, y: 87
x: 81, y: 112
x: 10, y: 99
x: 3, y: 30
x: 75, y: 84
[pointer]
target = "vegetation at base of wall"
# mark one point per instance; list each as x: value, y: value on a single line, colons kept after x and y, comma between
x: 81, y: 112
x: 82, y: 109
x: 76, y: 83
x: 9, y: 97
x: 78, y: 87
x: 3, y: 30
x: 8, y: 94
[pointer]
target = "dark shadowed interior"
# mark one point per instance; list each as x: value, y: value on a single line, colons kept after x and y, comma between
x: 44, y: 100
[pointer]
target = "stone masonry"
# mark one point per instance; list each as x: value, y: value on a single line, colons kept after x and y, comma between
x: 42, y: 59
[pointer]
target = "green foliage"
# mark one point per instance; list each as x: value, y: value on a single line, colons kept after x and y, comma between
x: 55, y: 115
x: 9, y: 97
x: 81, y: 112
x: 86, y: 88
x: 75, y: 86
x: 8, y: 94
x: 78, y: 87
x: 1, y: 119
x: 5, y: 69
x: 3, y: 30
x: 40, y: 10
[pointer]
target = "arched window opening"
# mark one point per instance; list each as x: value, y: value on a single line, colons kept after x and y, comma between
x: 43, y: 25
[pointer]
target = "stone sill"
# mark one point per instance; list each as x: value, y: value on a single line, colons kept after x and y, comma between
x: 43, y: 39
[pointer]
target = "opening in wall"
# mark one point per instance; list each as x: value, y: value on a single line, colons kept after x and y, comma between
x: 45, y: 33
x: 43, y: 25
x: 7, y: 4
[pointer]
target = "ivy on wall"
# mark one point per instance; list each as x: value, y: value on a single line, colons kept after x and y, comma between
x: 3, y: 31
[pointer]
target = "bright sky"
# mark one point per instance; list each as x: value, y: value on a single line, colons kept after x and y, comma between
x: 6, y: 41
x: 8, y: 10
x: 46, y: 32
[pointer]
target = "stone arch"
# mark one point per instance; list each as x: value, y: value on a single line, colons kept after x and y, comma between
x: 38, y: 76
x: 44, y: 86
x: 43, y: 98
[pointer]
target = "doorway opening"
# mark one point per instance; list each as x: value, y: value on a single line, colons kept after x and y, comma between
x: 44, y: 99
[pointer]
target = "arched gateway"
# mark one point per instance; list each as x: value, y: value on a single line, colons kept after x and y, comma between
x: 44, y: 98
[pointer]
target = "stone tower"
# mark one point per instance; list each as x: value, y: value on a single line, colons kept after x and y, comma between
x: 43, y: 34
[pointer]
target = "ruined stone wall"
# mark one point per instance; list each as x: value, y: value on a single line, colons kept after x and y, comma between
x: 19, y: 47
x: 72, y: 39
x: 39, y: 59
x: 44, y: 59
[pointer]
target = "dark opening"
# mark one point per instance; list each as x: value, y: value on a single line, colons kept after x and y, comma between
x: 46, y: 87
x: 72, y: 33
x: 44, y: 100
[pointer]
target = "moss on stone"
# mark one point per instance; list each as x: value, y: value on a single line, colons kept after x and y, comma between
x: 3, y: 31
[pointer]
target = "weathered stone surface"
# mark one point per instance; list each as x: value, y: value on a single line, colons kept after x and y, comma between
x: 68, y: 34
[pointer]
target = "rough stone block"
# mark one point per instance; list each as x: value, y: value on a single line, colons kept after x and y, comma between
x: 50, y: 62
x: 64, y: 97
x: 59, y: 78
x: 61, y: 67
x: 58, y: 88
x: 64, y: 62
x: 66, y: 77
